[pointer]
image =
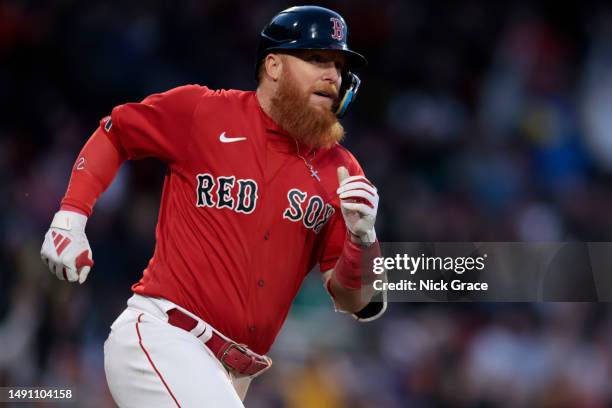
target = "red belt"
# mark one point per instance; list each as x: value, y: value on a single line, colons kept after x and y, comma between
x: 236, y: 358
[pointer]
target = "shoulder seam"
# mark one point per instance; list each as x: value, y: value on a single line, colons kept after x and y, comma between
x: 190, y: 138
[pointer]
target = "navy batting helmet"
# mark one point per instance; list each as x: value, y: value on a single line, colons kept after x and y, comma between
x: 313, y: 28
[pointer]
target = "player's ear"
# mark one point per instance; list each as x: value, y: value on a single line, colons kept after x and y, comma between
x: 273, y: 63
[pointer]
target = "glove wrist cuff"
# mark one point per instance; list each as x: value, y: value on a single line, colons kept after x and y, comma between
x: 368, y: 238
x: 365, y: 240
x: 69, y: 221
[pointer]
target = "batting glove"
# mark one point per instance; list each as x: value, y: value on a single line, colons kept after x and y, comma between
x: 66, y: 250
x: 359, y: 205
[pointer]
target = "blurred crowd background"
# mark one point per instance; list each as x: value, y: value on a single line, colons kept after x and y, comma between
x: 477, y: 120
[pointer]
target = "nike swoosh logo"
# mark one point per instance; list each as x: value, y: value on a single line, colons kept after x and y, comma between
x: 225, y: 139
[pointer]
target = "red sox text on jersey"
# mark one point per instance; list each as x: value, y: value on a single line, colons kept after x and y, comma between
x: 240, y: 195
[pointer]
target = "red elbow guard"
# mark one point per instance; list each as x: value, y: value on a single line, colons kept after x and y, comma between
x: 92, y: 173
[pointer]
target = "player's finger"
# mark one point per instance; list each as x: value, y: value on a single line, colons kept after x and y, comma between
x: 44, y: 253
x: 343, y: 174
x: 356, y: 185
x: 356, y: 178
x: 71, y: 274
x: 83, y: 273
x: 58, y: 270
x: 83, y: 264
x: 356, y: 194
x: 50, y: 265
x: 362, y: 209
x: 84, y: 259
x: 373, y: 198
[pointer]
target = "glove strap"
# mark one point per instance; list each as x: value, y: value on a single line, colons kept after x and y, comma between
x: 68, y: 221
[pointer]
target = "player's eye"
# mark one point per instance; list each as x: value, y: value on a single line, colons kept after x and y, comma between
x: 315, y: 58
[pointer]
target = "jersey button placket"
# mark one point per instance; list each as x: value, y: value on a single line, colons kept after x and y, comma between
x: 261, y: 283
x: 267, y: 235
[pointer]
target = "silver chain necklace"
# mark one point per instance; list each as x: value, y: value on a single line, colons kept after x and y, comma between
x: 309, y: 166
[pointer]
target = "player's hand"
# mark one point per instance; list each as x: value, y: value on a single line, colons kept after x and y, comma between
x: 66, y: 250
x: 359, y: 205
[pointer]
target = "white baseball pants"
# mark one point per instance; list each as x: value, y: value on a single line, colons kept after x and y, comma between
x: 150, y: 363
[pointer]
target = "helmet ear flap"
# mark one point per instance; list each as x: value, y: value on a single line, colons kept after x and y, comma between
x: 348, y: 92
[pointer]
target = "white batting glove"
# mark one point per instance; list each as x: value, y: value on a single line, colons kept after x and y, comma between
x: 359, y: 205
x: 66, y: 250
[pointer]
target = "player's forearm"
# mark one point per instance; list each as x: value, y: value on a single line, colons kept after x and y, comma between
x: 92, y: 173
x: 351, y: 280
x: 350, y: 300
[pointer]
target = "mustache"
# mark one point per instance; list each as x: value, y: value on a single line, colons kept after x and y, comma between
x: 329, y: 89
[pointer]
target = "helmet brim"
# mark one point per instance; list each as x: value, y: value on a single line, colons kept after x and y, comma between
x: 354, y: 59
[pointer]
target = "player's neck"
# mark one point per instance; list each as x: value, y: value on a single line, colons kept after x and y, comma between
x: 264, y: 97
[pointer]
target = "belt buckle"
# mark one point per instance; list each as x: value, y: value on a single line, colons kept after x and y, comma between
x: 240, y: 347
x: 245, y: 351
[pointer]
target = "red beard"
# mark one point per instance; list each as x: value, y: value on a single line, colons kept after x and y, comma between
x: 311, y: 126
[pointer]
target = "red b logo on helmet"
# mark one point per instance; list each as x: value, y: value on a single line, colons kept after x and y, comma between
x: 338, y: 29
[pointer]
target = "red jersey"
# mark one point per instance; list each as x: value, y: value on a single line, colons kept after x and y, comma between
x: 242, y: 218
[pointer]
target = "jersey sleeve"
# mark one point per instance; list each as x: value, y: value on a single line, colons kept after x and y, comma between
x: 159, y: 126
x: 335, y: 232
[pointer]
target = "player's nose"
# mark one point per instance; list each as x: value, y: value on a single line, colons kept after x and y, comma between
x: 331, y: 73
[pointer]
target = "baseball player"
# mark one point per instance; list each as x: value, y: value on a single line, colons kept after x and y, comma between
x: 258, y: 192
